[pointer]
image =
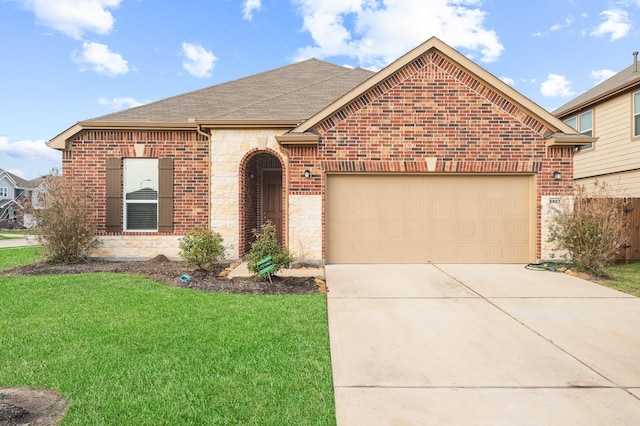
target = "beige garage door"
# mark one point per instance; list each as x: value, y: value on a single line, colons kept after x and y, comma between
x: 430, y: 218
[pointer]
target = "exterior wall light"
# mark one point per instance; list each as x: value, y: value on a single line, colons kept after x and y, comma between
x: 252, y: 176
x: 307, y: 174
x: 557, y: 175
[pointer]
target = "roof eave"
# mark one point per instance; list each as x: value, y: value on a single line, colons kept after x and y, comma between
x: 597, y: 99
x: 564, y: 140
x: 296, y: 139
x: 248, y: 124
x: 60, y: 142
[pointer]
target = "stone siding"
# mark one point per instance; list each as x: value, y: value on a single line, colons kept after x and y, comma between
x: 305, y: 227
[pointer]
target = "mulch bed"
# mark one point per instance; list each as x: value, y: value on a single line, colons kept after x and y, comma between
x: 169, y: 272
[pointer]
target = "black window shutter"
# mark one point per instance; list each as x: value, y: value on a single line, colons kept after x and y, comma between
x: 114, y: 195
x: 165, y: 195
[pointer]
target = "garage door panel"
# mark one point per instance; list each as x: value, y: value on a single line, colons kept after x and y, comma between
x: 429, y: 218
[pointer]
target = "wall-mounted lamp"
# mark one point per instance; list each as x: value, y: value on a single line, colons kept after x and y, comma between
x: 557, y: 175
x: 252, y: 176
x: 307, y: 174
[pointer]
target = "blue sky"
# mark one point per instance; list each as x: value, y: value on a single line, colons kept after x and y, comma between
x: 68, y: 60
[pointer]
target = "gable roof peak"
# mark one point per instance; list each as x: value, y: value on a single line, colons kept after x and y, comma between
x: 435, y: 44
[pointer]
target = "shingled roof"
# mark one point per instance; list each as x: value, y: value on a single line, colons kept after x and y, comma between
x: 293, y: 92
x: 624, y: 80
x: 19, y: 182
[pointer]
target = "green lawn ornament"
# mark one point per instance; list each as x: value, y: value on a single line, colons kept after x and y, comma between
x: 265, y: 266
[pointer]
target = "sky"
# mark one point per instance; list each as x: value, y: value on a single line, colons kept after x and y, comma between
x: 64, y: 61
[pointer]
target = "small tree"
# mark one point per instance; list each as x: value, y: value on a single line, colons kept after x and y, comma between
x: 591, y: 226
x: 66, y: 220
x: 202, y: 248
x: 266, y: 244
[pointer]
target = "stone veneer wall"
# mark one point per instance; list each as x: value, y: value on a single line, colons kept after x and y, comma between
x: 305, y: 226
x: 229, y: 149
x: 137, y: 247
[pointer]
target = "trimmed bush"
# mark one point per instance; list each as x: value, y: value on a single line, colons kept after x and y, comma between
x: 266, y: 244
x: 591, y: 227
x: 202, y: 248
x: 66, y: 220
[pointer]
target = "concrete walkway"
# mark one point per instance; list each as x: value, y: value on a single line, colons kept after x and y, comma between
x: 481, y: 345
x: 12, y: 241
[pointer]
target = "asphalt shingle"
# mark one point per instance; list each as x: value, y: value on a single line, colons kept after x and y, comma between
x: 292, y: 92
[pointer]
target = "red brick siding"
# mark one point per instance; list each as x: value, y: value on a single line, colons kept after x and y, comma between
x: 432, y: 108
x: 86, y: 162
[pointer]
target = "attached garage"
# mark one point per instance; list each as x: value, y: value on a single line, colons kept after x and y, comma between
x: 420, y: 218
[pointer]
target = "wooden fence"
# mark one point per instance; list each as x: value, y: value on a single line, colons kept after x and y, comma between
x: 632, y: 253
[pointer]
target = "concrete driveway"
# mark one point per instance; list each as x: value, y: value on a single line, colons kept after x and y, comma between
x: 481, y: 345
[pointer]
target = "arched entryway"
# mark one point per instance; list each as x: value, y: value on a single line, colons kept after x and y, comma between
x: 261, y: 196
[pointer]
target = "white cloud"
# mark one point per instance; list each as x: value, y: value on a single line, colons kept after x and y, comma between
x: 509, y: 81
x: 249, y: 7
x: 377, y: 32
x: 199, y: 61
x: 567, y: 23
x: 556, y: 85
x: 101, y: 59
x: 28, y: 150
x: 616, y: 24
x: 121, y: 103
x: 74, y: 17
x: 601, y: 75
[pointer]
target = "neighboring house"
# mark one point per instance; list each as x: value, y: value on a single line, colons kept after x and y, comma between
x: 14, y: 191
x: 431, y: 159
x: 611, y: 112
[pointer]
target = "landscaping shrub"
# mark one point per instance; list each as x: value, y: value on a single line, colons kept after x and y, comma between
x: 266, y: 244
x: 66, y: 220
x: 202, y: 248
x: 591, y: 226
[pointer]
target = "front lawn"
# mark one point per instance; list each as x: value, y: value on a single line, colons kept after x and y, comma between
x: 625, y: 278
x: 127, y: 350
x: 13, y: 257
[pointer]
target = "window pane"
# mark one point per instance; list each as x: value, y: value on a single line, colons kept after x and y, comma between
x: 141, y: 194
x: 572, y: 122
x: 636, y: 130
x: 141, y: 178
x: 636, y: 103
x: 142, y: 216
x: 586, y: 123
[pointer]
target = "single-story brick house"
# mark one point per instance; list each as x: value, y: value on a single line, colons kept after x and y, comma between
x: 431, y: 159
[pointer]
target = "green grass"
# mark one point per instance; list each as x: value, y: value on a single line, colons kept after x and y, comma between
x: 625, y: 278
x: 12, y: 257
x: 127, y: 350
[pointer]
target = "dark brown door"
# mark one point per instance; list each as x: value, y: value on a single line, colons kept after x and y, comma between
x: 272, y: 200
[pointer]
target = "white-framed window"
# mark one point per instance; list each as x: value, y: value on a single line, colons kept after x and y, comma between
x: 4, y: 192
x: 140, y: 179
x: 636, y: 114
x: 583, y: 123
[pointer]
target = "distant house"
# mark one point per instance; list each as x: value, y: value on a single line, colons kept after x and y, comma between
x: 431, y: 159
x: 609, y: 111
x: 17, y: 200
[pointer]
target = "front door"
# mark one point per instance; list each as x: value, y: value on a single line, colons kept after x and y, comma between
x: 272, y: 200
